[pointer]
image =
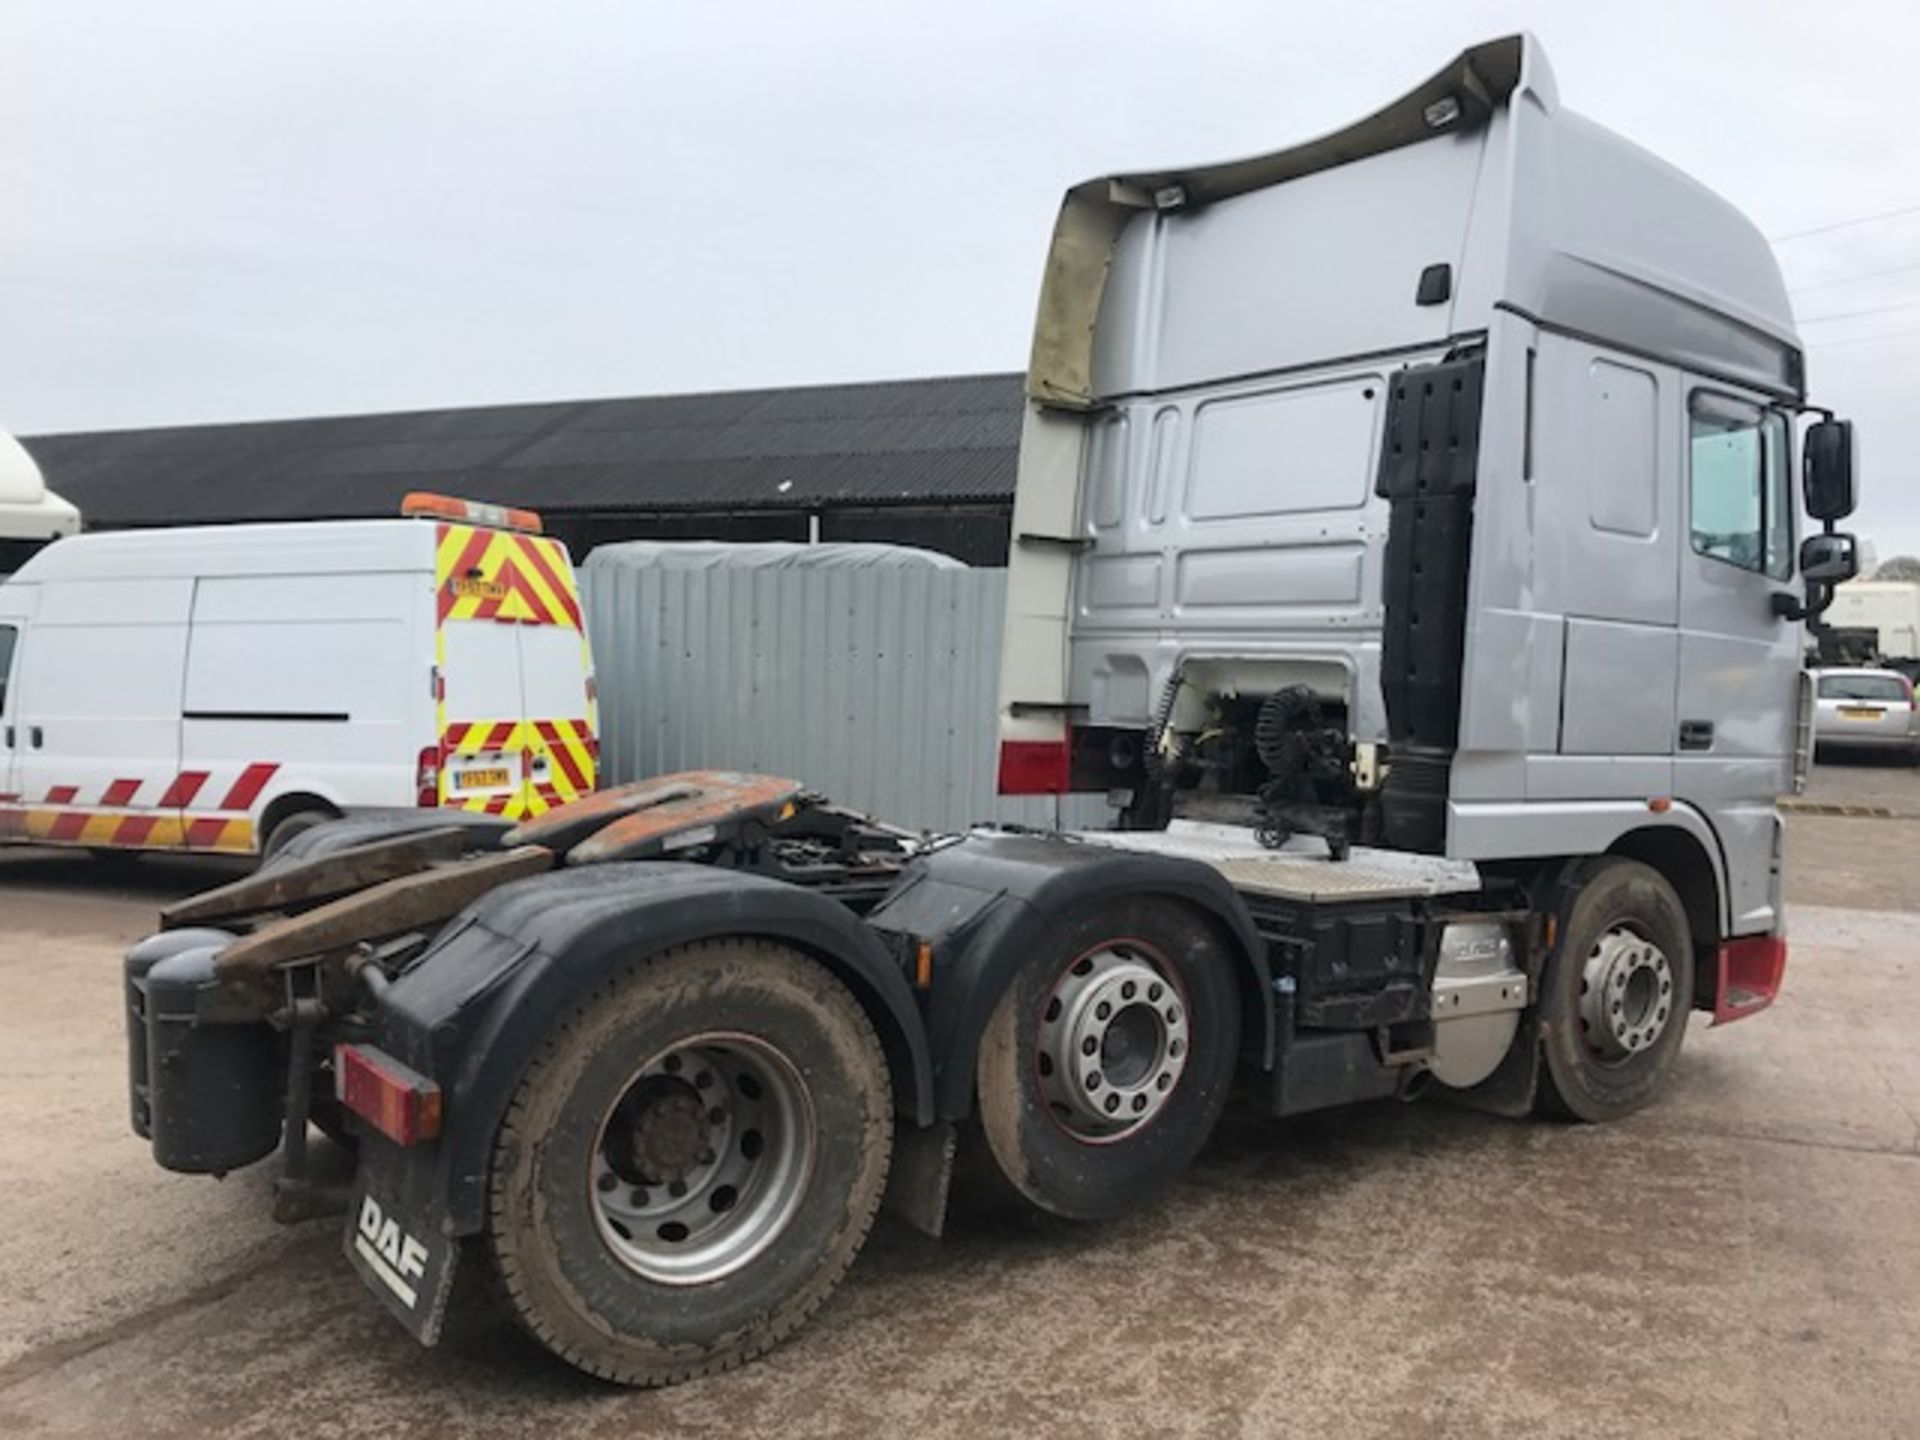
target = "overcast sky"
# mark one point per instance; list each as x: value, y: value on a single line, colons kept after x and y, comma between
x: 227, y: 209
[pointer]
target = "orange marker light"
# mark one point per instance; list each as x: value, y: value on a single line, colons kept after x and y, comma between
x: 923, y: 966
x: 471, y: 512
x: 1660, y: 804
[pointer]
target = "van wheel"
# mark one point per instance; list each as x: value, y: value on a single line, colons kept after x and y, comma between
x: 289, y: 827
x: 1108, y: 1060
x: 691, y: 1163
x: 1616, y: 994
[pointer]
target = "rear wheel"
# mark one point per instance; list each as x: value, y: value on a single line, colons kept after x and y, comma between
x: 692, y: 1163
x: 1108, y: 1060
x: 1616, y: 994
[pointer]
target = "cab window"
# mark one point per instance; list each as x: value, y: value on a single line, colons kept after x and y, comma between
x: 1739, y: 485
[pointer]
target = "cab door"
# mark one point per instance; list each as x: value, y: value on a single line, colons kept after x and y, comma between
x: 1739, y: 661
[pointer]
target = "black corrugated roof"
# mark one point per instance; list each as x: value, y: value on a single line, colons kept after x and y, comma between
x: 893, y: 442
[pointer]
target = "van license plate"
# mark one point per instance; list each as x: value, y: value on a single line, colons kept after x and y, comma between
x: 480, y: 779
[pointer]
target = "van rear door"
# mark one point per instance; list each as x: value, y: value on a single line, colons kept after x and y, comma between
x: 482, y: 750
x: 556, y: 696
x: 517, y: 723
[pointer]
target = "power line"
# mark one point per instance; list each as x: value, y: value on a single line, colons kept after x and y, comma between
x: 1851, y: 279
x: 1845, y: 224
x: 1857, y: 314
x: 1864, y: 339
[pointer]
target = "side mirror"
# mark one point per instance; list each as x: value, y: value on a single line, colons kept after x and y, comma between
x: 1827, y: 470
x: 1828, y: 559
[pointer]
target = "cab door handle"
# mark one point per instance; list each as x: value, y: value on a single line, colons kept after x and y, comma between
x: 36, y: 737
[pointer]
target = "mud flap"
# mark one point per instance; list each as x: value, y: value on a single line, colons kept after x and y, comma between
x: 403, y: 1259
x: 1509, y: 1091
x: 919, y: 1183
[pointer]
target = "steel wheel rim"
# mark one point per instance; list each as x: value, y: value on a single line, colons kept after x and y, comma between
x: 1113, y: 1042
x: 1626, y: 995
x: 702, y: 1160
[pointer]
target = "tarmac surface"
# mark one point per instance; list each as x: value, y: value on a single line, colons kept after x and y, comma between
x: 1741, y: 1259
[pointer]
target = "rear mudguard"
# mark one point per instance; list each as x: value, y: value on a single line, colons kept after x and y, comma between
x: 986, y: 902
x: 473, y: 1010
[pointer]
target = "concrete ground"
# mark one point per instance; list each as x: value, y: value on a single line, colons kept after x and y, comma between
x: 1743, y: 1259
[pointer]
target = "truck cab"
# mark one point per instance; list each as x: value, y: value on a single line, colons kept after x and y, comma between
x: 1471, y: 430
x: 31, y: 515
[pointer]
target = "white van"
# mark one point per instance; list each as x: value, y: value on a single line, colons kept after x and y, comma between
x: 222, y: 688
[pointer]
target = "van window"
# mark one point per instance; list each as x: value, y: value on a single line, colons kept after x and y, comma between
x: 1739, y: 489
x: 8, y: 637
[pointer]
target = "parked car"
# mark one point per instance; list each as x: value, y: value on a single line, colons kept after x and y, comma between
x: 1866, y: 708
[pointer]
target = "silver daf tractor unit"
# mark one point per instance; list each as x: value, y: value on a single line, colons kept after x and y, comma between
x: 1409, y: 543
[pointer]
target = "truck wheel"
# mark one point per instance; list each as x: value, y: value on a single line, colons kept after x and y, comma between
x: 1616, y: 994
x: 691, y: 1163
x: 1108, y: 1060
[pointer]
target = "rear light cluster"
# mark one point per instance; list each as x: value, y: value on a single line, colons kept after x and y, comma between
x: 1034, y: 767
x: 400, y: 1103
x: 426, y: 778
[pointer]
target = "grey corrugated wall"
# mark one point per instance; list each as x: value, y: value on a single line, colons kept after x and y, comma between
x: 876, y: 687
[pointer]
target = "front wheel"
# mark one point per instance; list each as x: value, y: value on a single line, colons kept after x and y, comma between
x: 1616, y: 994
x: 692, y: 1163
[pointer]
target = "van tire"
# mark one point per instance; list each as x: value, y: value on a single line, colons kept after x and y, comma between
x: 1616, y: 993
x: 286, y: 828
x: 1049, y: 1064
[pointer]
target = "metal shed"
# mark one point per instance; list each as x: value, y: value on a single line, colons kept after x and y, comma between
x: 869, y: 672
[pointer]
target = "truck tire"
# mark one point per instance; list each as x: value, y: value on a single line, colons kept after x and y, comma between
x: 1616, y: 993
x: 1108, y: 1060
x: 691, y: 1163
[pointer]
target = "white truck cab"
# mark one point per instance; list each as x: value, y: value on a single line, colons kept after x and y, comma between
x: 31, y: 515
x: 221, y: 688
x: 1440, y: 471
